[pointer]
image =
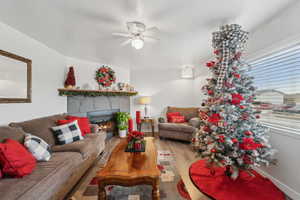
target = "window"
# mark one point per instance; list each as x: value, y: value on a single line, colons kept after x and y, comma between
x: 277, y: 78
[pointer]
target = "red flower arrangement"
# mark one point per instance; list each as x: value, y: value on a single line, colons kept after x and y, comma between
x: 236, y: 99
x: 105, y: 76
x: 214, y: 118
x: 137, y: 135
x: 250, y: 144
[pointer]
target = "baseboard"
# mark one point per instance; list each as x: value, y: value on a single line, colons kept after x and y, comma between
x: 286, y: 189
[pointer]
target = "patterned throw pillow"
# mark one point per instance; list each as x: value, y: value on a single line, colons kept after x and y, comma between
x: 38, y: 147
x: 67, y: 133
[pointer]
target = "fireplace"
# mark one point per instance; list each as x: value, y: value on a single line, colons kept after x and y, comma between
x: 105, y: 119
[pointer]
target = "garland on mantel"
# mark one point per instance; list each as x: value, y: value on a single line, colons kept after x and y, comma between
x: 89, y: 93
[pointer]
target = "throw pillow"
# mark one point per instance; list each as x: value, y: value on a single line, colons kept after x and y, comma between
x: 83, y: 122
x: 15, y: 160
x: 67, y: 133
x: 170, y: 114
x: 38, y: 147
x: 177, y: 119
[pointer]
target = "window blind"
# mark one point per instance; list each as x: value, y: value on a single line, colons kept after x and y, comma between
x: 277, y: 78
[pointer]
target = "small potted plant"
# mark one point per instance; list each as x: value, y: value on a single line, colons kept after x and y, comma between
x: 122, y: 121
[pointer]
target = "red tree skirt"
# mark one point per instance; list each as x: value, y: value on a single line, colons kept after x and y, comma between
x: 221, y: 187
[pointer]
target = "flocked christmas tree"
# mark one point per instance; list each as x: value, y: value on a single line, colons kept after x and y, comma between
x: 230, y: 135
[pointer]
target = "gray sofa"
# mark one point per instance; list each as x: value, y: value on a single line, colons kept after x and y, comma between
x: 53, y: 179
x: 181, y: 131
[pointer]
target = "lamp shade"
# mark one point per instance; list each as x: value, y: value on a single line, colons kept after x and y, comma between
x: 144, y: 100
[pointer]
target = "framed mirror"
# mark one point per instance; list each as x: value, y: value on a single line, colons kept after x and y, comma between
x: 15, y: 78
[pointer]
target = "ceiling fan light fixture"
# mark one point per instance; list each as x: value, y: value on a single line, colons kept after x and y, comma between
x: 137, y: 43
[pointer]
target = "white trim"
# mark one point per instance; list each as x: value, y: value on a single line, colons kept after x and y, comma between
x: 290, y: 132
x: 286, y: 189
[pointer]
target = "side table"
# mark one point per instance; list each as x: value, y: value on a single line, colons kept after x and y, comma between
x: 146, y: 121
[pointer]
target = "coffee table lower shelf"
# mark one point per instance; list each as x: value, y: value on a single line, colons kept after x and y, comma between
x: 154, y: 182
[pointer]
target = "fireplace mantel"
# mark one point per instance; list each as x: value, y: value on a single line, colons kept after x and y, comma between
x: 94, y: 93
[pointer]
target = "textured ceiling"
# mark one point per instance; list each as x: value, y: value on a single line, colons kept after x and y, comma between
x: 82, y: 29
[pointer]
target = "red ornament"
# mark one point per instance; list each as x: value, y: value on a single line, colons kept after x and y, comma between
x: 248, y: 133
x: 222, y: 138
x: 237, y: 75
x: 210, y: 92
x: 206, y: 129
x: 242, y: 107
x: 213, y: 150
x: 234, y: 140
x: 216, y: 51
x: 257, y: 116
x: 70, y: 81
x: 236, y: 98
x: 211, y: 64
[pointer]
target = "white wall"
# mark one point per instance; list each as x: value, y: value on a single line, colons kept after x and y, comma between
x: 47, y: 76
x: 166, y: 88
x: 85, y: 72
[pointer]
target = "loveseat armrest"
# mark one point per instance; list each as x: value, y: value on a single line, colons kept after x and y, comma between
x: 195, y: 122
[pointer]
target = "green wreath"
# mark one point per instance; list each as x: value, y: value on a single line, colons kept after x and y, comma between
x: 105, y: 76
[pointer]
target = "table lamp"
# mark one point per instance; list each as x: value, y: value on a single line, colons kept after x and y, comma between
x: 146, y: 101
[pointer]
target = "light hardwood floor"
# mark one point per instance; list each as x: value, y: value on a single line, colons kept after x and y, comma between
x: 184, y: 157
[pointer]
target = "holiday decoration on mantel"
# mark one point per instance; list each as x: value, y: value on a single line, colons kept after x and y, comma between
x: 229, y: 135
x: 105, y: 76
x: 70, y: 80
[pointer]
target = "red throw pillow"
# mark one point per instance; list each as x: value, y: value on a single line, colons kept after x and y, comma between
x: 170, y: 114
x: 15, y: 160
x: 83, y: 123
x: 177, y: 119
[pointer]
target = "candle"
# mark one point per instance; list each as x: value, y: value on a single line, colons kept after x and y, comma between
x: 138, y: 117
x: 130, y: 125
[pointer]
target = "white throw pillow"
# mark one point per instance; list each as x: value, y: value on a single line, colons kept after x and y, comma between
x: 38, y: 147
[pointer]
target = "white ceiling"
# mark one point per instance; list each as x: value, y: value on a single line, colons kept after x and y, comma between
x: 82, y: 28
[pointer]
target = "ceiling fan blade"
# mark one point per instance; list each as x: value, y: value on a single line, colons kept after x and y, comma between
x: 152, y: 29
x: 126, y: 42
x: 150, y: 37
x: 122, y: 34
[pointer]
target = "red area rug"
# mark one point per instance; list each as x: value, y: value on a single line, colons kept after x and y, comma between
x: 182, y: 190
x: 221, y: 187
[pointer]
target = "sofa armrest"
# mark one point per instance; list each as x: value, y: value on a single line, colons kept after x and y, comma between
x: 195, y: 122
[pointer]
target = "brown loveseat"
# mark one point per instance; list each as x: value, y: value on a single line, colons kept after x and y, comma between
x: 55, y: 178
x: 181, y: 131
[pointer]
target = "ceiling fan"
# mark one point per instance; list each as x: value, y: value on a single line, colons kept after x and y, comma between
x: 136, y: 34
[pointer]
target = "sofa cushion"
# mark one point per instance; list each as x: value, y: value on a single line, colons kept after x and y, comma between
x: 15, y: 160
x: 38, y: 147
x: 178, y: 127
x: 45, y: 180
x: 11, y: 132
x: 89, y: 145
x: 188, y: 113
x: 40, y: 127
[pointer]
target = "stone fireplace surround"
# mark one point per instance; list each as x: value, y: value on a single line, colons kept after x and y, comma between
x: 99, y: 110
x: 81, y: 105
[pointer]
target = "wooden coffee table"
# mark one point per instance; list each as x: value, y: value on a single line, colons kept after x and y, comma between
x: 129, y: 169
